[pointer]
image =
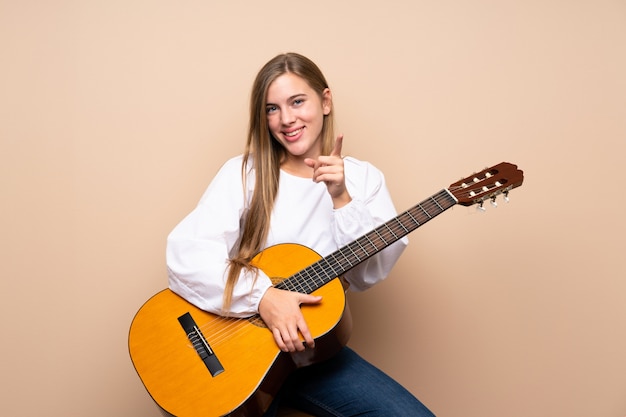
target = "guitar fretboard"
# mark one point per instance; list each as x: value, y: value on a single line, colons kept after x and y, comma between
x: 342, y: 260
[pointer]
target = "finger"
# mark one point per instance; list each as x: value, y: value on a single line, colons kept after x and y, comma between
x: 294, y: 342
x: 279, y: 340
x: 290, y: 339
x: 337, y: 149
x: 302, y: 325
x: 311, y: 163
x: 309, y: 299
x: 306, y: 334
x: 304, y: 328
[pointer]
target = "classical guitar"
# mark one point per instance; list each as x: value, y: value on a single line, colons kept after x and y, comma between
x: 194, y: 363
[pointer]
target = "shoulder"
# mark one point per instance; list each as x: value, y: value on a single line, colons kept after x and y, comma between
x: 232, y: 165
x: 232, y: 168
x: 227, y: 178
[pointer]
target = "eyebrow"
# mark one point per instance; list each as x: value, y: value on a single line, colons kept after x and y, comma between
x: 291, y: 98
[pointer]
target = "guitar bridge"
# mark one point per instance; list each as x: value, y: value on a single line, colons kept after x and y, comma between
x: 201, y: 345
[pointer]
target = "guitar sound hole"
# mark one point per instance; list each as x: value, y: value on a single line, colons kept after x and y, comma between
x: 257, y: 321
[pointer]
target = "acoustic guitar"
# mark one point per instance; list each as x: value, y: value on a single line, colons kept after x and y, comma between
x: 195, y: 363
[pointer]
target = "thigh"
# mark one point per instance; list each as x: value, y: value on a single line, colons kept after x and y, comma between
x: 347, y: 385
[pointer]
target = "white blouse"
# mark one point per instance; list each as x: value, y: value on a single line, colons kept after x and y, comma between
x: 199, y: 247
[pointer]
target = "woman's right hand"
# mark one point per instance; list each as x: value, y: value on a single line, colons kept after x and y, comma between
x: 280, y: 310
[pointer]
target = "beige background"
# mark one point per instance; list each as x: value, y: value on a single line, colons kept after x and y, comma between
x: 115, y: 115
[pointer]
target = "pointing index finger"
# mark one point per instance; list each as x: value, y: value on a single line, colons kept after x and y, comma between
x: 337, y: 149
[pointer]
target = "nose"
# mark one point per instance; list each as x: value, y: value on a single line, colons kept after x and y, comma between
x: 287, y: 117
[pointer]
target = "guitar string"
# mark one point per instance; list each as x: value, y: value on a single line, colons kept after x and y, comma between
x: 222, y: 323
x: 220, y: 328
x: 234, y: 325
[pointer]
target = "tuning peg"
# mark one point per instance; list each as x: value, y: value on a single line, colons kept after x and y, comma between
x: 506, y: 196
x: 480, y: 207
x: 493, y: 202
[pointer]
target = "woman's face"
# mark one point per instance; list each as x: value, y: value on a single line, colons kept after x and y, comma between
x: 295, y: 115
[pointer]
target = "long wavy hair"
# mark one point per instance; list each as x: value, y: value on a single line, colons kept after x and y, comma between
x: 265, y: 154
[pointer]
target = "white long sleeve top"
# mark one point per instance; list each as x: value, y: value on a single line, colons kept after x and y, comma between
x: 199, y: 247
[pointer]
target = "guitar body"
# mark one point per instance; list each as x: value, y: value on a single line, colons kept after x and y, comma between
x: 253, y: 366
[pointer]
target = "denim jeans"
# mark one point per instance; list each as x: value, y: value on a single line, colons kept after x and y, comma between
x: 347, y: 385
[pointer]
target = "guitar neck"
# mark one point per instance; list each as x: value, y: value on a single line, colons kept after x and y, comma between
x: 342, y: 260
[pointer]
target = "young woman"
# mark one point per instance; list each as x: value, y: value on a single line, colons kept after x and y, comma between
x: 291, y: 185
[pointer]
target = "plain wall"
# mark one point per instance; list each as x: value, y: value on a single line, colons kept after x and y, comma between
x: 115, y: 115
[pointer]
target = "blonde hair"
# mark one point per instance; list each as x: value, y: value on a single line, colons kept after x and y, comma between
x: 265, y: 154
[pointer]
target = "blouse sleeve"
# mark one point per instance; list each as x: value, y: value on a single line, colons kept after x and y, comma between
x: 198, y: 249
x: 370, y: 207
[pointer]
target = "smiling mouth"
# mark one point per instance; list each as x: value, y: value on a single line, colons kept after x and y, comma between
x: 294, y: 133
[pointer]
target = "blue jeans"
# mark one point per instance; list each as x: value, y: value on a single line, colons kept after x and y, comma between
x: 347, y: 385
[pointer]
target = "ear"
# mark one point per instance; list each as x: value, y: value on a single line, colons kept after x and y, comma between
x: 327, y: 101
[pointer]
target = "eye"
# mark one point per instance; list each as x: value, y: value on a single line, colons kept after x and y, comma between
x: 270, y: 109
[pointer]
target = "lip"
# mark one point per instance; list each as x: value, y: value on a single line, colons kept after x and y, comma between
x: 297, y: 133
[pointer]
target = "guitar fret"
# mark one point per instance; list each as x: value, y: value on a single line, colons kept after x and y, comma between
x: 425, y: 212
x: 361, y: 246
x: 308, y: 284
x: 325, y: 270
x: 332, y: 255
x: 380, y: 236
x: 406, y: 231
x: 346, y: 258
x: 438, y: 205
x: 317, y: 267
x: 417, y: 224
x: 334, y: 273
x: 353, y: 253
x: 372, y: 242
x: 296, y: 283
x: 300, y: 283
x: 391, y: 230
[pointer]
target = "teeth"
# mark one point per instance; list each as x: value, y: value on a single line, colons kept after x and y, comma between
x: 294, y: 133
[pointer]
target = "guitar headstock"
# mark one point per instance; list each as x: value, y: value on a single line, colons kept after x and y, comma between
x: 487, y: 184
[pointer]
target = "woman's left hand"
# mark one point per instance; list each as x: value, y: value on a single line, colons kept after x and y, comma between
x: 329, y: 169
